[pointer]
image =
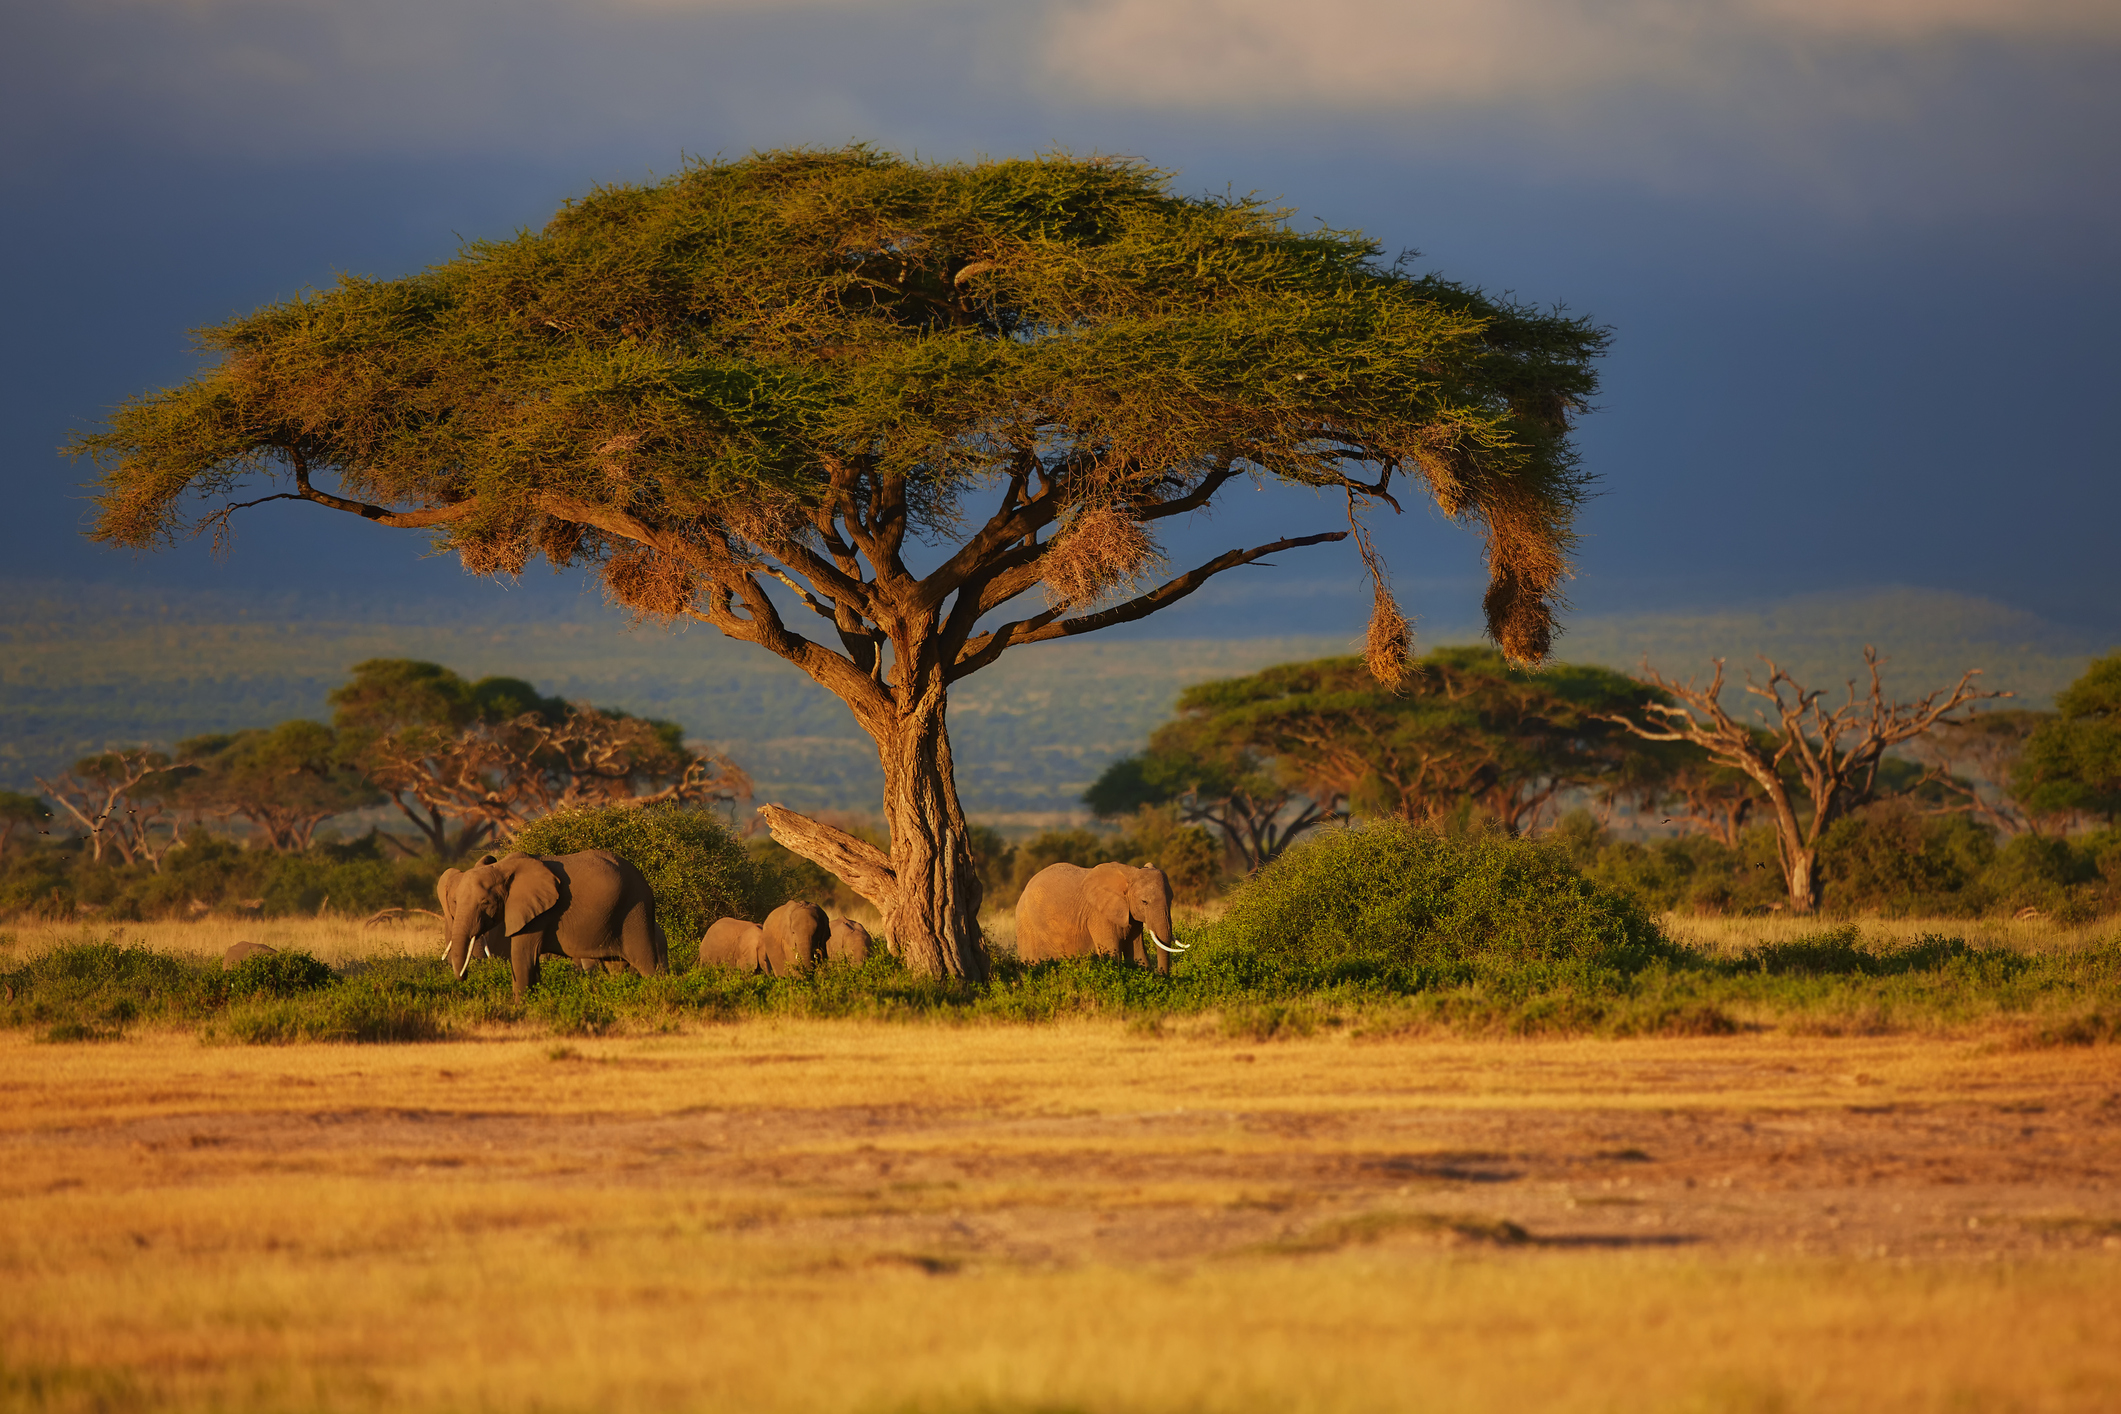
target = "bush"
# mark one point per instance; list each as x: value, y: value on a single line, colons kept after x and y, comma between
x: 279, y: 974
x: 692, y: 861
x: 1407, y: 908
x: 1889, y: 860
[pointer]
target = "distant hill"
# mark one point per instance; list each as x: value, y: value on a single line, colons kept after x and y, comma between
x: 83, y: 667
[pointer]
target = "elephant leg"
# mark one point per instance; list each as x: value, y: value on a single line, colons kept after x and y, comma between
x: 638, y: 940
x: 523, y: 953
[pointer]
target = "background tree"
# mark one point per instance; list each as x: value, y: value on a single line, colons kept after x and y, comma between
x: 494, y: 755
x: 1466, y: 728
x: 120, y: 798
x: 885, y: 400
x: 1202, y: 766
x: 2072, y: 762
x: 19, y: 809
x: 285, y: 780
x: 1835, y: 756
x: 1972, y: 763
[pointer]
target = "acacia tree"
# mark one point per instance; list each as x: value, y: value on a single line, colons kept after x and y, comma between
x: 105, y: 794
x: 1258, y: 803
x: 493, y: 755
x: 1972, y: 763
x: 1813, y: 764
x: 852, y: 408
x: 2071, y: 762
x: 285, y: 780
x: 1466, y: 727
x: 17, y: 808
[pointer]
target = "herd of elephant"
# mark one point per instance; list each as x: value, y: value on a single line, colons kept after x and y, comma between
x: 595, y: 908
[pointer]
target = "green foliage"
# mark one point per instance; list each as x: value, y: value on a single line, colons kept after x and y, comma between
x: 1410, y: 908
x: 1885, y: 859
x: 1888, y: 859
x: 94, y: 990
x: 696, y: 866
x: 285, y: 780
x: 58, y: 880
x: 1833, y: 982
x: 278, y: 974
x: 2073, y: 762
x: 716, y: 340
x: 1468, y: 726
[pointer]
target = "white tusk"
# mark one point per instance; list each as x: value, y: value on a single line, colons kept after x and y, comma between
x: 1160, y: 943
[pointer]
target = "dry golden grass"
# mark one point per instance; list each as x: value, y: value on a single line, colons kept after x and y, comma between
x: 336, y: 941
x: 855, y: 1216
x: 1722, y: 937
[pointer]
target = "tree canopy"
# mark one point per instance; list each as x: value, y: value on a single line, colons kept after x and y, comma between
x: 2072, y: 762
x: 1266, y: 756
x: 762, y: 388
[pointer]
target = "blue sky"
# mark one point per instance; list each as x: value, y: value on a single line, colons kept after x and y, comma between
x: 1859, y: 257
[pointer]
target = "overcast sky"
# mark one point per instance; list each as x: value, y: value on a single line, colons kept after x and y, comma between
x: 1859, y: 256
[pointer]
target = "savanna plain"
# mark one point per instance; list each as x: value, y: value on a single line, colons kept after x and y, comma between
x: 1152, y: 1214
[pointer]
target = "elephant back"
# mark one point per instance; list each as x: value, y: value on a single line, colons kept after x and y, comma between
x: 848, y: 942
x: 733, y: 942
x: 240, y: 952
x: 797, y: 936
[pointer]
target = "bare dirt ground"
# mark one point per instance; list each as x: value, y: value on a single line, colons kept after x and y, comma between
x: 1855, y: 1223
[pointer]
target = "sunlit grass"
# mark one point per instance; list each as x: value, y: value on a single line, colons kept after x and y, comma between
x: 192, y: 1268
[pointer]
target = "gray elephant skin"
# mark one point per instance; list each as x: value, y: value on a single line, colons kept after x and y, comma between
x: 795, y: 936
x: 1105, y: 911
x: 733, y: 942
x: 848, y: 942
x: 591, y: 906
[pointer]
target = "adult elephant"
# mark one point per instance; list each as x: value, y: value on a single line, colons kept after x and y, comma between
x: 797, y: 935
x: 592, y: 906
x: 1069, y: 911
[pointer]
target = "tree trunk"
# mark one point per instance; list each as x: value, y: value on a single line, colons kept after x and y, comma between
x: 934, y: 919
x: 1799, y: 866
x: 928, y: 889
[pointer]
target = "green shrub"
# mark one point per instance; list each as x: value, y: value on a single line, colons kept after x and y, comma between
x: 279, y: 974
x: 1396, y: 905
x: 692, y: 861
x: 105, y: 986
x: 1889, y: 860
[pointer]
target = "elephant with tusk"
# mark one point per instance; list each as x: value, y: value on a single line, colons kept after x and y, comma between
x: 590, y: 907
x: 1106, y: 911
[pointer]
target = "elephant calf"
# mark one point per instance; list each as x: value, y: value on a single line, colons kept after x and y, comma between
x: 734, y: 943
x: 794, y: 936
x: 848, y: 942
x: 1068, y: 911
x: 240, y: 953
x: 592, y: 907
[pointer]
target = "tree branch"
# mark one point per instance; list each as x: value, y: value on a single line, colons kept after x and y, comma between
x: 860, y: 864
x: 1040, y: 628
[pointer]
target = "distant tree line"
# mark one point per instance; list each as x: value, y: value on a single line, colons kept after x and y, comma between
x: 1853, y: 799
x: 466, y: 764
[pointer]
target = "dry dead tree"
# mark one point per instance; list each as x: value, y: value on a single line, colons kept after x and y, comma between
x: 1834, y: 755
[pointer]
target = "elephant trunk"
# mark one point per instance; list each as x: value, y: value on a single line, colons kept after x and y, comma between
x: 1161, y: 933
x: 461, y: 933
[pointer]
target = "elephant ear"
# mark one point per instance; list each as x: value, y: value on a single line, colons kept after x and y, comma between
x: 1112, y: 896
x: 532, y: 889
x: 446, y: 894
